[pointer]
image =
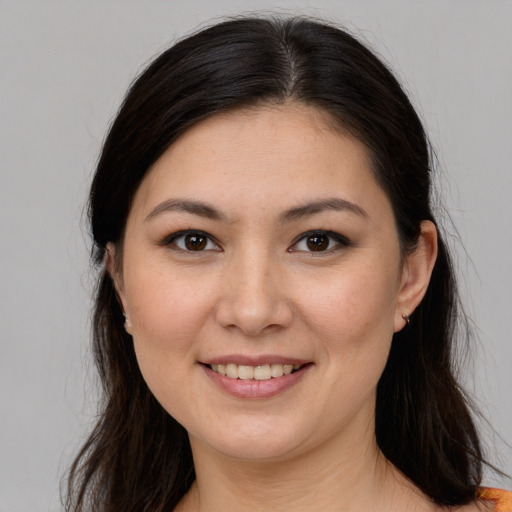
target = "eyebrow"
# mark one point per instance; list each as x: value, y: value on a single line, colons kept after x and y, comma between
x: 210, y: 212
x: 315, y: 207
x: 185, y: 205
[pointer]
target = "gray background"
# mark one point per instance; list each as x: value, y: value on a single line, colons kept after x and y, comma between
x: 64, y: 67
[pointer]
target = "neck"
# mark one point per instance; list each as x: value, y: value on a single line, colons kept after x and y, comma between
x: 352, y: 477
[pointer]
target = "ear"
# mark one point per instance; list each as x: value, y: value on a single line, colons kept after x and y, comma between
x: 116, y: 275
x: 416, y: 273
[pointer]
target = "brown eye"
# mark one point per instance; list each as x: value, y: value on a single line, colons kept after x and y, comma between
x: 317, y: 242
x: 195, y: 242
x: 320, y: 241
x: 191, y: 241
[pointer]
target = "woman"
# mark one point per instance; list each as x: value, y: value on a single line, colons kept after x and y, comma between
x: 276, y: 316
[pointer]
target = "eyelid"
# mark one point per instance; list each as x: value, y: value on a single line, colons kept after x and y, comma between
x: 171, y: 239
x: 338, y: 238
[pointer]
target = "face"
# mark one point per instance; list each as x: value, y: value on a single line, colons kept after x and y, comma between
x: 261, y: 274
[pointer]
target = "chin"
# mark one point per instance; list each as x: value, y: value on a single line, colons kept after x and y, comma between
x: 254, y: 444
x: 257, y: 451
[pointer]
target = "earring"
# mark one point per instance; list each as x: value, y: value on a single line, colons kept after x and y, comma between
x: 407, y: 318
x: 127, y: 323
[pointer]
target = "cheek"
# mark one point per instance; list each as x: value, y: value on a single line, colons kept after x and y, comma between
x: 353, y: 319
x: 167, y: 314
x: 355, y: 301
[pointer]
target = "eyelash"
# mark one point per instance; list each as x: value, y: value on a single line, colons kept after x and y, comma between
x: 338, y: 241
x: 335, y: 241
x: 174, y: 237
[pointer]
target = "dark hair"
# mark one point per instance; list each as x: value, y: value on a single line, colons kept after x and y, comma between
x: 138, y: 457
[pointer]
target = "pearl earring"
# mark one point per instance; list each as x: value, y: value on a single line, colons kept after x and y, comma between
x: 127, y: 323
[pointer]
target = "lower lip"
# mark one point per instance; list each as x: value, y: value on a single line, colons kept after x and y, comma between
x: 252, y: 388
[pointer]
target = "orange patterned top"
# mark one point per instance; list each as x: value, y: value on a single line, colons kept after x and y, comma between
x: 502, y: 499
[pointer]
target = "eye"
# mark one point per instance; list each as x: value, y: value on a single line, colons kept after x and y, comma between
x: 319, y: 241
x: 191, y: 241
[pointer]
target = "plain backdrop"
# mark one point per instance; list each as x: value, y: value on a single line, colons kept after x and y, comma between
x: 64, y: 67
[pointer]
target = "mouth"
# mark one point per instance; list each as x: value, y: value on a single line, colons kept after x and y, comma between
x: 259, y: 372
x: 256, y: 377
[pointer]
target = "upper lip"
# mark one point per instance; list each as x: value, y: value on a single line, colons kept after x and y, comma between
x: 260, y: 360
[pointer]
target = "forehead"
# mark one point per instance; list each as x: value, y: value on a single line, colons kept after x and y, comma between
x: 268, y: 155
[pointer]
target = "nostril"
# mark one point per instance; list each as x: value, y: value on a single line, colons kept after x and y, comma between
x: 254, y: 316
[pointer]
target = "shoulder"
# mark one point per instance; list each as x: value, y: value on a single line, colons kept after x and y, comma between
x: 497, y: 500
x: 489, y: 499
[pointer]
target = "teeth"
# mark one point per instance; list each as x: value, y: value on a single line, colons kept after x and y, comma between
x: 245, y: 372
x: 263, y: 372
x: 276, y: 370
x: 232, y: 371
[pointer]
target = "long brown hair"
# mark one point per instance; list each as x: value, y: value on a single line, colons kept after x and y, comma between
x: 138, y: 457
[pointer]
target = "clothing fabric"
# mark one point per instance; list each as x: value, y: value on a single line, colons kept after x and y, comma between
x: 501, y: 499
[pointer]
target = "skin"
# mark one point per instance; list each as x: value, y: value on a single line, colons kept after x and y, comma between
x: 257, y: 289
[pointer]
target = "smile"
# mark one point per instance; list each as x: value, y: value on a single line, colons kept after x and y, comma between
x: 260, y: 372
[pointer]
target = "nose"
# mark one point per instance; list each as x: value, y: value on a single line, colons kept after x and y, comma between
x: 253, y: 300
